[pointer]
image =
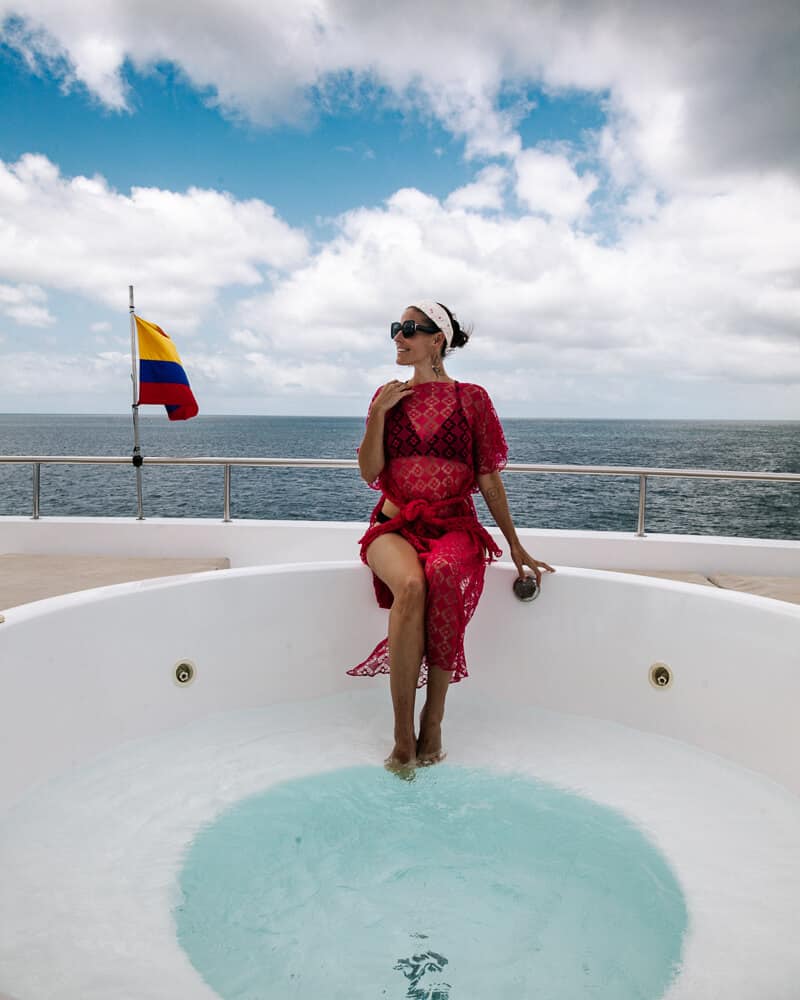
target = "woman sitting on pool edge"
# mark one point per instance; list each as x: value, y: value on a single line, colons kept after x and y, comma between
x: 429, y: 444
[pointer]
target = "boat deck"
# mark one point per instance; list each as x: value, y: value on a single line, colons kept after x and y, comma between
x: 32, y: 577
x: 28, y: 577
x: 779, y: 588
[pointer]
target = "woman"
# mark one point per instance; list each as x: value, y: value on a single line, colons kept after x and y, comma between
x: 430, y: 442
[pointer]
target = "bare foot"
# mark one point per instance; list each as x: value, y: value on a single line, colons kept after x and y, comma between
x: 401, y: 761
x: 405, y: 771
x: 429, y: 744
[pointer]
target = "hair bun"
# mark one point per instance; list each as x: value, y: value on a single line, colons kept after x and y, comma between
x: 460, y: 336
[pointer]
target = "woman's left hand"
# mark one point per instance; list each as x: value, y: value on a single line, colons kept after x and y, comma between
x: 521, y: 559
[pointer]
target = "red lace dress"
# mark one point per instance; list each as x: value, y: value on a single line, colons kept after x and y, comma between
x: 436, y: 442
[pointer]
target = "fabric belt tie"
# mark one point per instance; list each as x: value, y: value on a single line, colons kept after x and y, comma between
x: 430, y: 512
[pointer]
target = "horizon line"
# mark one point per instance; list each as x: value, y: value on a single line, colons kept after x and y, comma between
x: 360, y: 416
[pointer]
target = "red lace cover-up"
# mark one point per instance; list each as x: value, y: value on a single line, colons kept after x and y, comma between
x: 437, y: 441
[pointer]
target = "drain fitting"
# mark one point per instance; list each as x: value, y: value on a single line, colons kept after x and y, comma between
x: 660, y: 676
x: 184, y: 672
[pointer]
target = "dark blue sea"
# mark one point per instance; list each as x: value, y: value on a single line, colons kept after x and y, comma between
x: 757, y: 510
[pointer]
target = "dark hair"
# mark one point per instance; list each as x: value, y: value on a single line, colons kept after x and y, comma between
x: 460, y: 337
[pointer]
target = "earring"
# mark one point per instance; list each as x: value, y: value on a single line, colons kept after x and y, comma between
x: 437, y: 369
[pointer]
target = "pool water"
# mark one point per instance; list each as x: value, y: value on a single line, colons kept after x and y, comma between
x: 462, y: 883
x: 266, y: 853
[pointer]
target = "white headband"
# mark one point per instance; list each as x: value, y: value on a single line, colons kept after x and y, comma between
x: 439, y: 316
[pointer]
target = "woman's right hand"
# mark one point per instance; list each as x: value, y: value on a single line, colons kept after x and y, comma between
x: 390, y: 395
x: 371, y: 456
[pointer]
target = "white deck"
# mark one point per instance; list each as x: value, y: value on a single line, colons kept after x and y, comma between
x: 52, y: 556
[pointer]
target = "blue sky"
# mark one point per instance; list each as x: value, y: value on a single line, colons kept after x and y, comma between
x: 279, y: 187
x: 172, y: 138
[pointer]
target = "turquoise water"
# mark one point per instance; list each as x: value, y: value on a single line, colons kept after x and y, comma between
x: 459, y: 885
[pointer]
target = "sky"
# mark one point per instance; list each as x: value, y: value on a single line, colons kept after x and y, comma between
x: 608, y: 193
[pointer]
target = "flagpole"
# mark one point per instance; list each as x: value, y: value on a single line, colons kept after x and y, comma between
x: 137, y: 452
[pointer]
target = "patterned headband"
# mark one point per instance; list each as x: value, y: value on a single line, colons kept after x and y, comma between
x: 439, y: 316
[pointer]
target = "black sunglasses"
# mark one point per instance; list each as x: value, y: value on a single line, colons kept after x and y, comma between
x: 410, y: 328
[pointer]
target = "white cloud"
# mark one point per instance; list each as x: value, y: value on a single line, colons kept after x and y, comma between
x: 699, y: 286
x: 255, y: 372
x: 641, y: 203
x: 485, y: 192
x: 707, y: 286
x: 547, y: 182
x: 246, y: 339
x: 23, y: 374
x: 103, y: 326
x: 178, y: 250
x: 694, y: 90
x: 702, y: 284
x: 23, y: 304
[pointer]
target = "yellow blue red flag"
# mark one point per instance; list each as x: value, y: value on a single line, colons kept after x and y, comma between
x: 161, y: 375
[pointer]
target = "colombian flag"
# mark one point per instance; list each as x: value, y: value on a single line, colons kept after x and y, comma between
x: 161, y: 375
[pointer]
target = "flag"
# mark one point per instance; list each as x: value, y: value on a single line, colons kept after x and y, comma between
x: 161, y: 375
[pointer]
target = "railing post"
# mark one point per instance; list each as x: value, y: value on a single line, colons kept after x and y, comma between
x: 37, y: 467
x: 137, y: 464
x: 642, y: 504
x: 227, y: 504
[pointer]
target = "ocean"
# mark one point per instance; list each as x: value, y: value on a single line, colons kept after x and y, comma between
x: 758, y: 510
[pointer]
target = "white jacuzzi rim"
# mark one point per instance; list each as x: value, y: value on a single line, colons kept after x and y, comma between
x: 646, y: 614
x: 621, y: 581
x: 35, y: 609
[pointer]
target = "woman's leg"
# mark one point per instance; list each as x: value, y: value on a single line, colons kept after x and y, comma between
x: 429, y: 744
x: 446, y: 567
x: 393, y: 560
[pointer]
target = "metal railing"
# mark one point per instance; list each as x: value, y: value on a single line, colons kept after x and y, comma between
x: 642, y: 473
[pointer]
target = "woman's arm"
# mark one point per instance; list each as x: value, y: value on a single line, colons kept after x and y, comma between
x: 371, y: 457
x: 494, y: 493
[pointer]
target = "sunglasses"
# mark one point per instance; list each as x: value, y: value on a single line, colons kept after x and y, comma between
x: 410, y: 329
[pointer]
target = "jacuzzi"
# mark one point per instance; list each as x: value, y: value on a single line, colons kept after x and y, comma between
x: 134, y: 717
